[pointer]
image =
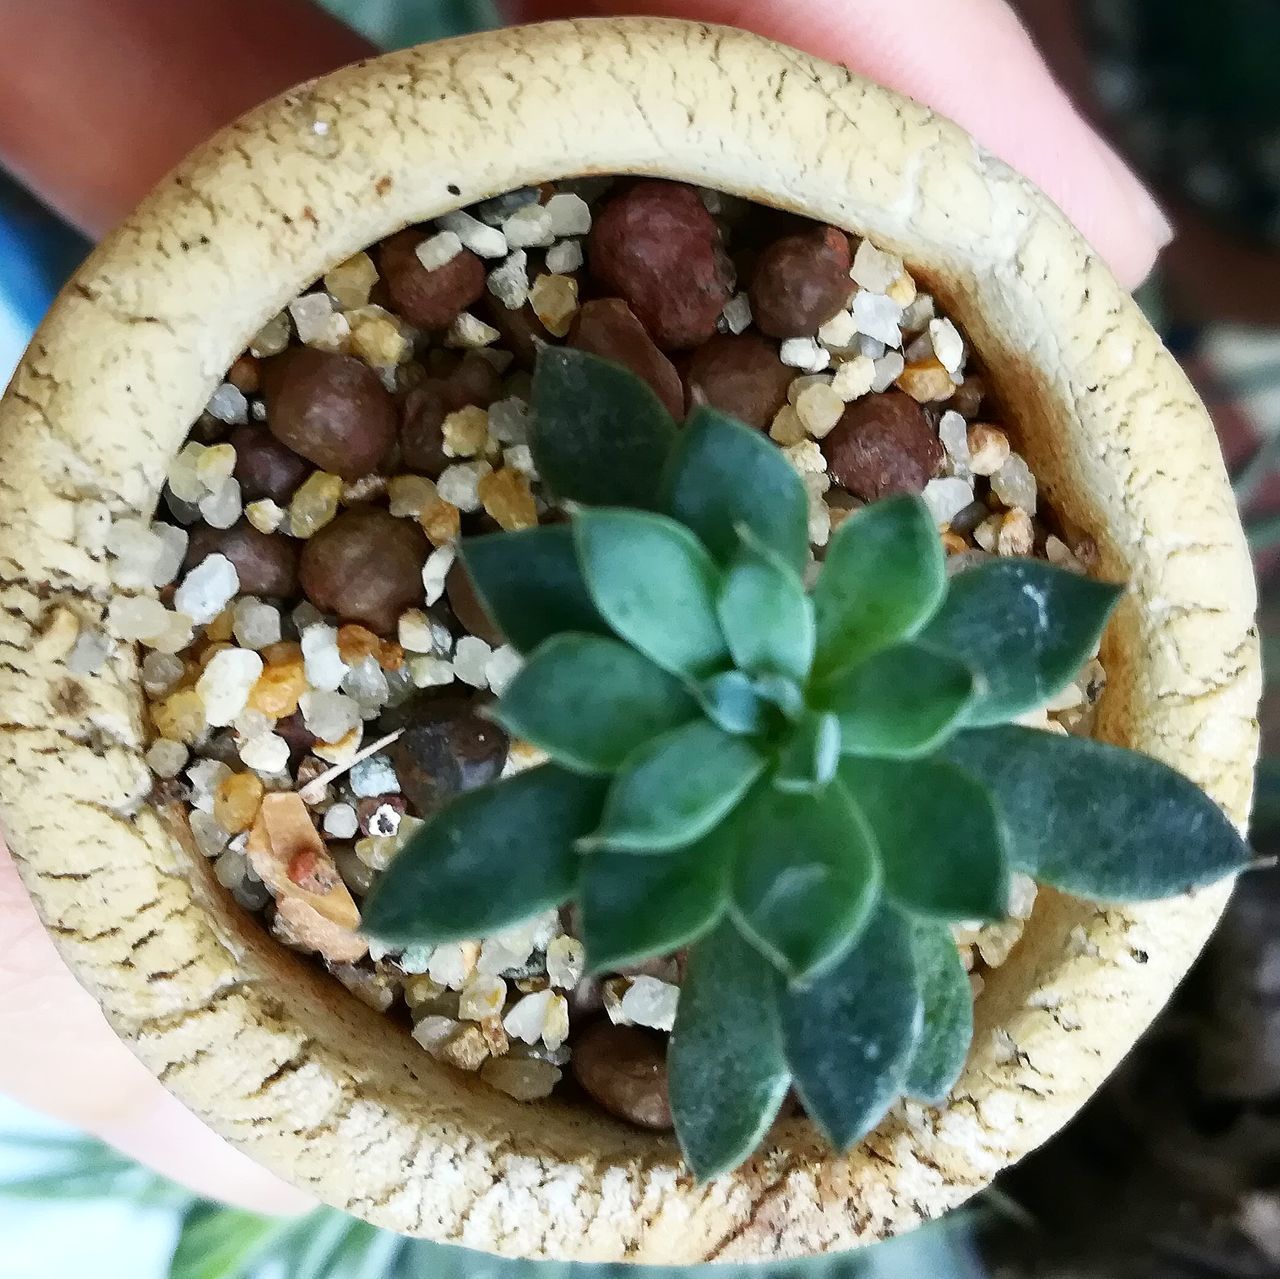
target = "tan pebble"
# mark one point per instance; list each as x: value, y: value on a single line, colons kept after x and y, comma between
x: 1016, y: 536
x: 356, y: 642
x: 953, y: 543
x: 236, y: 801
x: 495, y: 1034
x: 222, y: 626
x: 988, y: 448
x: 180, y: 717
x: 987, y: 534
x: 903, y: 290
x: 554, y: 299
x: 787, y: 428
x: 352, y: 280
x: 299, y: 924
x: 342, y: 750
x: 507, y: 497
x: 465, y: 431
x: 278, y: 689
x: 926, y: 381
x: 467, y: 1048
x: 441, y: 521
x: 524, y: 1078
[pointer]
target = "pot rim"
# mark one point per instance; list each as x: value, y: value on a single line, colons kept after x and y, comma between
x: 276, y: 1057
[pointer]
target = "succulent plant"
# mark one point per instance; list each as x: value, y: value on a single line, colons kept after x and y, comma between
x: 804, y: 786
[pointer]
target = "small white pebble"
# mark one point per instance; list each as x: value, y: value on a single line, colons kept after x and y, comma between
x: 529, y: 227
x: 255, y: 624
x: 374, y: 776
x: 330, y: 716
x: 210, y: 838
x: 888, y: 370
x: 458, y: 484
x: 853, y: 378
x: 566, y: 961
x: 878, y: 317
x: 452, y: 963
x: 438, y: 250
x: 806, y: 457
x: 340, y: 821
x: 509, y: 420
x: 207, y: 589
x: 436, y: 570
x: 947, y: 497
x: 134, y: 617
x: 737, y: 313
x: 221, y: 509
x: 225, y: 683
x: 570, y: 214
x: 312, y: 317
x: 173, y: 548
x: 322, y: 662
x: 953, y: 431
x: 804, y: 353
x: 430, y: 672
x: 418, y: 632
x: 470, y: 658
x: 873, y: 269
x: 948, y: 345
x: 918, y: 314
x: 1014, y: 484
x: 166, y: 758
x: 483, y: 240
x: 564, y: 258
x: 160, y: 673
x: 265, y: 515
x: 650, y: 1002
x: 227, y: 404
x: 519, y: 457
x: 839, y: 332
x: 528, y: 1018
x: 468, y: 332
x: 502, y: 667
x: 509, y: 283
x: 268, y: 753
x: 366, y: 682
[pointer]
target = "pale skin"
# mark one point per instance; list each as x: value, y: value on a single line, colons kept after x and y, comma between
x: 98, y: 100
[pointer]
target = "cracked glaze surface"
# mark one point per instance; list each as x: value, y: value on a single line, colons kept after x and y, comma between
x: 291, y: 1069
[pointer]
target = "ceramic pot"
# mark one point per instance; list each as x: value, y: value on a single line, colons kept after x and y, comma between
x: 272, y: 1053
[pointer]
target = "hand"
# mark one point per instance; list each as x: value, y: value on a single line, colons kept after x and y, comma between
x: 76, y: 123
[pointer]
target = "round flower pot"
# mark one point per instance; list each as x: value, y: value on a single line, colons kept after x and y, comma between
x: 270, y: 1052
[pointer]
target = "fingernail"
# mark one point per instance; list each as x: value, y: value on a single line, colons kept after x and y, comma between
x: 1145, y: 206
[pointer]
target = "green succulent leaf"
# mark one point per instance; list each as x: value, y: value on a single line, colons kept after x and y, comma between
x: 635, y: 907
x: 600, y: 435
x: 808, y: 761
x: 947, y: 1030
x: 723, y: 475
x: 655, y: 584
x: 675, y: 789
x: 589, y: 702
x: 783, y: 693
x: 766, y: 617
x: 942, y: 845
x: 726, y: 1073
x: 849, y: 1031
x: 1099, y: 821
x: 491, y: 858
x: 882, y: 579
x: 899, y: 703
x: 805, y: 875
x: 531, y: 585
x: 732, y: 701
x: 1024, y: 627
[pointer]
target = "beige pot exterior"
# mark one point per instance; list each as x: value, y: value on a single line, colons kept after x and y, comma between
x: 278, y: 1058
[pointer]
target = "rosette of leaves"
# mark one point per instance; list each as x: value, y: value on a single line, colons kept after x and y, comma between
x: 804, y: 786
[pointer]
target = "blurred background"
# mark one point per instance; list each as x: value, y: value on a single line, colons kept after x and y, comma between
x: 1173, y: 1171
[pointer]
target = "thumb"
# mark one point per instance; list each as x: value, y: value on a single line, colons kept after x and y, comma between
x: 970, y: 60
